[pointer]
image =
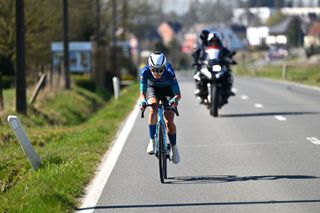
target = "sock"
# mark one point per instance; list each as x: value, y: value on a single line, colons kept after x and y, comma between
x: 152, y: 131
x: 173, y: 139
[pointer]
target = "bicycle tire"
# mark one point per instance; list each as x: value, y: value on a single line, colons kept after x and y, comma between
x: 162, y: 155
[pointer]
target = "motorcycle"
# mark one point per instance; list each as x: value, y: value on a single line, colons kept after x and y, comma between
x: 215, y: 80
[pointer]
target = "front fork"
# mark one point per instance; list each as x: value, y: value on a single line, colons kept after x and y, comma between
x: 164, y: 137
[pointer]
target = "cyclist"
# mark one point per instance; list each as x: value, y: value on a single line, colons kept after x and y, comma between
x: 158, y: 80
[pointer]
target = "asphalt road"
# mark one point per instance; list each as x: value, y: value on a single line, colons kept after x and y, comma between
x: 262, y: 154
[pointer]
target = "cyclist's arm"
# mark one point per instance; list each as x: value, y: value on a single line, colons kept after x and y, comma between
x: 174, y: 84
x: 143, y: 84
x: 177, y: 97
x: 143, y: 96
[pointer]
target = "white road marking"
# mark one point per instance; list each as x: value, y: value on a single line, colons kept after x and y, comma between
x: 258, y: 105
x: 194, y: 146
x: 258, y: 143
x: 280, y: 118
x: 244, y: 97
x: 95, y: 188
x: 314, y: 140
x: 238, y: 144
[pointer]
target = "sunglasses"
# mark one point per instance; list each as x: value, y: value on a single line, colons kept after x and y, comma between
x: 158, y: 71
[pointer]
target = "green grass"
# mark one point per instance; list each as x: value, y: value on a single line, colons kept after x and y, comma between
x: 70, y: 131
x: 304, y: 74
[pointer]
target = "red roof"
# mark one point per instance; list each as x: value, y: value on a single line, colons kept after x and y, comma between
x: 314, y: 30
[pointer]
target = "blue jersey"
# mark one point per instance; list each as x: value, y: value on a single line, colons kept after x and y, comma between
x: 168, y: 78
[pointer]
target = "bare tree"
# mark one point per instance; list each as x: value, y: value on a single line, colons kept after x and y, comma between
x: 1, y: 95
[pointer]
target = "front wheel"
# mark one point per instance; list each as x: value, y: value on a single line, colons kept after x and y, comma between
x: 162, y: 155
x: 214, y: 105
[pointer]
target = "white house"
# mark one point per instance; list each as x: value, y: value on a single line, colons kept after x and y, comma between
x: 257, y: 36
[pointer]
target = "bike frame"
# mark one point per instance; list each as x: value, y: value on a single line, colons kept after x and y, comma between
x: 161, y: 123
x: 161, y: 147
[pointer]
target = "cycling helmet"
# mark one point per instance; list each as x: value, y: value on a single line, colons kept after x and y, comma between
x: 157, y: 62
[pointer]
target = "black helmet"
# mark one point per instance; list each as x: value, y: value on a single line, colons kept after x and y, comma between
x: 204, y: 36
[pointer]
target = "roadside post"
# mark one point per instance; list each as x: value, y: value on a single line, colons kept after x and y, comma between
x: 26, y: 146
x: 116, y: 87
x: 284, y: 71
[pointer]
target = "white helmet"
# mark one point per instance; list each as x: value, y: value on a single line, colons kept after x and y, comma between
x: 157, y: 62
x: 214, y: 36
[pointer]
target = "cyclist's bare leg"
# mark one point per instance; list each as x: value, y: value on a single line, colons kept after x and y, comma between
x: 153, y: 117
x: 169, y: 120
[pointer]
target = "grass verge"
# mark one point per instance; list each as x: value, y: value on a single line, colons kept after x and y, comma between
x: 252, y: 64
x: 309, y: 75
x: 69, y: 153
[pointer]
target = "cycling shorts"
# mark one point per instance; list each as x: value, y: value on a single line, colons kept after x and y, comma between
x: 159, y: 92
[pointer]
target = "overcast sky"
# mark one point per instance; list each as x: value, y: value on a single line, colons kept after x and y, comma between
x: 179, y: 6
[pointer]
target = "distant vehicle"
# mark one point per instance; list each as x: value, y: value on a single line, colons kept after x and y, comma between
x: 276, y: 53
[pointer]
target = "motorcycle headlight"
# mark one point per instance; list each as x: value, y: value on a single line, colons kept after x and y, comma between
x: 216, y: 68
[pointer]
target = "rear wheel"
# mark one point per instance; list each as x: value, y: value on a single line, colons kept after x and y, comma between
x: 162, y: 155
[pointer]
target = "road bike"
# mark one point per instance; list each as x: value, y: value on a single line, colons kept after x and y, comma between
x: 162, y: 146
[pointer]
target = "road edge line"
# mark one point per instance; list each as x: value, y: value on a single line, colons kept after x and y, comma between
x: 305, y: 86
x: 104, y: 169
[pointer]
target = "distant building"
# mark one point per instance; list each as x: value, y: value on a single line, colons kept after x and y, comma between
x: 257, y: 36
x: 241, y: 31
x: 230, y: 39
x: 300, y: 11
x: 80, y: 56
x: 148, y: 37
x: 312, y: 39
x: 189, y: 43
x: 245, y: 16
x: 168, y: 31
x: 278, y: 33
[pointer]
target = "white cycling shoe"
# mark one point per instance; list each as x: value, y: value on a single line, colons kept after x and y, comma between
x: 175, y: 154
x: 150, y: 148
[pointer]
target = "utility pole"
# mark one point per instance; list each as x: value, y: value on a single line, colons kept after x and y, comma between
x: 66, y: 45
x: 97, y: 71
x: 97, y: 20
x: 21, y: 94
x: 114, y: 40
x: 125, y: 12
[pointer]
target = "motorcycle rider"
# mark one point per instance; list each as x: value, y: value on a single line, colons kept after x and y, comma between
x: 199, y: 54
x: 225, y: 55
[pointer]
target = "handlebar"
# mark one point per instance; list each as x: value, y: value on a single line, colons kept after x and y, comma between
x: 166, y: 107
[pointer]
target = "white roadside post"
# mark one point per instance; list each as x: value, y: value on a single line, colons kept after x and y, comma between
x: 24, y: 142
x: 284, y: 71
x: 116, y: 87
